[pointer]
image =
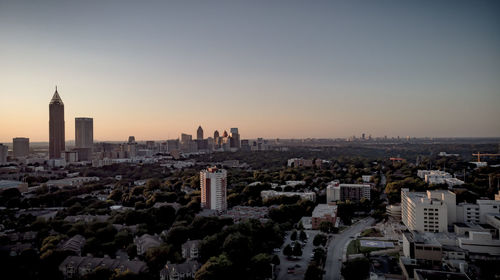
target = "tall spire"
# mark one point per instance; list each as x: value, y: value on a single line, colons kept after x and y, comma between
x: 56, y: 99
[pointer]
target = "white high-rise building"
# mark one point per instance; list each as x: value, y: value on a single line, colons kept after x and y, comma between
x: 213, y: 184
x: 332, y: 192
x: 432, y: 211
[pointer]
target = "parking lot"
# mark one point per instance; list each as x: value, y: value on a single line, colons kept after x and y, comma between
x: 300, y: 265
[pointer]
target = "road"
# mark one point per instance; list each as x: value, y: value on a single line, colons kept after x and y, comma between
x: 335, y: 250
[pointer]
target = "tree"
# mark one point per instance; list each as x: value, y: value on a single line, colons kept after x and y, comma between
x: 261, y: 266
x: 131, y: 250
x: 288, y: 251
x: 303, y: 235
x: 276, y: 260
x: 319, y: 255
x: 313, y: 272
x: 297, y: 250
x: 293, y: 236
x: 356, y: 269
x: 300, y: 226
x: 237, y: 247
x: 319, y: 239
x: 177, y: 235
x: 326, y: 227
x: 216, y: 268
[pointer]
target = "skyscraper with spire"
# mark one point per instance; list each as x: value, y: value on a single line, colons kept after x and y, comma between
x: 56, y: 126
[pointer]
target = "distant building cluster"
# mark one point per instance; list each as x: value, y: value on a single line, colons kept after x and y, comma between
x: 439, y: 177
x: 106, y: 153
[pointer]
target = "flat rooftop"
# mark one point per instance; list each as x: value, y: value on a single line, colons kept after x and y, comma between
x: 324, y: 209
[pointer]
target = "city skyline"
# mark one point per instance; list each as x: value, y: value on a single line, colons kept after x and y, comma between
x: 329, y: 70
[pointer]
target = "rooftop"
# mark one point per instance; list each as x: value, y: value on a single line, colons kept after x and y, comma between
x: 9, y: 183
x: 324, y: 209
x: 438, y: 275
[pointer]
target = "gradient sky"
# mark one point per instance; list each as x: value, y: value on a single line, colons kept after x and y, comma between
x: 284, y: 69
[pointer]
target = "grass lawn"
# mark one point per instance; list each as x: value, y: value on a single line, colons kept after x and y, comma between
x: 353, y: 247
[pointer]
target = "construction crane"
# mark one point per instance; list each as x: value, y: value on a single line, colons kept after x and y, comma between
x: 479, y: 155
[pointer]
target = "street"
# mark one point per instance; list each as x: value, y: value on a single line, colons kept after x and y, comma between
x: 335, y: 250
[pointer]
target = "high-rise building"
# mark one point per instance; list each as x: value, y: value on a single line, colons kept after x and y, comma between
x: 354, y: 192
x: 432, y: 211
x: 56, y: 126
x: 235, y: 138
x: 4, y: 150
x: 186, y: 143
x: 84, y: 132
x: 84, y: 138
x: 213, y: 184
x: 199, y: 133
x: 217, y: 140
x: 21, y: 147
x: 131, y: 139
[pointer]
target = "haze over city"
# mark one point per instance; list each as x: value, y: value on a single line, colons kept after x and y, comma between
x: 273, y: 69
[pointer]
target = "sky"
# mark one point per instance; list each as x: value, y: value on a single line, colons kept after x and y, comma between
x: 286, y: 69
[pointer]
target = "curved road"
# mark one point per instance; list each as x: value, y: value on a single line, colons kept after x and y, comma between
x: 335, y: 250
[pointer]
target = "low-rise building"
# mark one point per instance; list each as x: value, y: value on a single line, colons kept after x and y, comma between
x: 190, y: 249
x: 74, y: 244
x: 87, y: 218
x: 182, y: 271
x: 303, y: 195
x: 324, y: 213
x: 422, y: 247
x: 300, y: 162
x: 366, y: 178
x: 146, y: 242
x: 394, y: 211
x: 74, y: 182
x: 8, y: 184
x: 423, y: 274
x: 438, y: 177
x: 480, y: 243
x: 240, y: 213
x: 76, y: 267
x: 476, y: 213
